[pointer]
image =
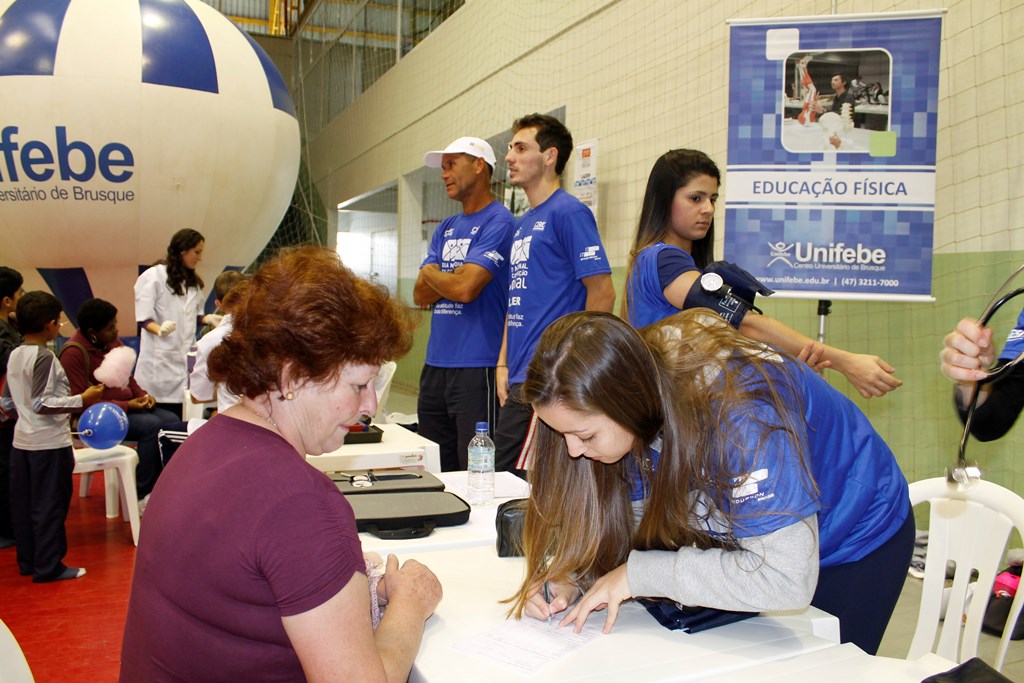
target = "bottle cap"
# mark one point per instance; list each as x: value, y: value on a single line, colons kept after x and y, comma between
x: 481, y: 426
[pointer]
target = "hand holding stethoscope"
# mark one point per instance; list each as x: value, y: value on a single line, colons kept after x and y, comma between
x: 965, y: 343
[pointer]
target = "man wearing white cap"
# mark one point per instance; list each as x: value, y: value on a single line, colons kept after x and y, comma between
x: 465, y: 278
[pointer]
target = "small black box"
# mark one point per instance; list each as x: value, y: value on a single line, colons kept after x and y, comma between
x: 372, y: 435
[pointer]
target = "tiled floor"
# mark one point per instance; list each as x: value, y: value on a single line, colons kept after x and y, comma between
x: 72, y: 630
x: 897, y: 638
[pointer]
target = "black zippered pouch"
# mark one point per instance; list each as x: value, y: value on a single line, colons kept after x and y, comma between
x: 403, y: 515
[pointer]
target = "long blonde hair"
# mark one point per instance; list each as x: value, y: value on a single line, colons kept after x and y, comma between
x: 678, y: 379
x: 720, y: 379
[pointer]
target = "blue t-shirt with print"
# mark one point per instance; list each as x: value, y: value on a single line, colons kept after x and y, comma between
x: 863, y: 497
x: 1014, y: 341
x: 555, y: 246
x: 647, y: 302
x: 469, y: 335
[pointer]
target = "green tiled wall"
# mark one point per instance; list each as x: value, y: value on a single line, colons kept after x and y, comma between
x: 917, y: 420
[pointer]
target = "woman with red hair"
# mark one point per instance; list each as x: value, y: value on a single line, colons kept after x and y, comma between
x: 249, y: 566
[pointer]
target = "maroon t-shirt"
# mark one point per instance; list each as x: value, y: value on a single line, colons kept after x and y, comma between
x: 240, y: 531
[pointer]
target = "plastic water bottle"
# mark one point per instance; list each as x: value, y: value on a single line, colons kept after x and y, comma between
x: 481, y: 467
x: 190, y: 361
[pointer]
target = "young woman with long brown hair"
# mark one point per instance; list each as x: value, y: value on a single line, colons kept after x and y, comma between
x: 686, y: 461
x: 674, y: 245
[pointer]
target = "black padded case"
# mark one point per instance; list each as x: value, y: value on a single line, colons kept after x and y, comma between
x: 412, y: 514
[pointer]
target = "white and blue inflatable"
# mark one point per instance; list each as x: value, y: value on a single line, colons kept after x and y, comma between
x: 122, y: 121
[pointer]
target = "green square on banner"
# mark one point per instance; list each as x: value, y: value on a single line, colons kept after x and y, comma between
x: 883, y: 143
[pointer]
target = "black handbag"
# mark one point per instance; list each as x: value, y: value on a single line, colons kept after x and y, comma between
x: 508, y: 521
x: 974, y: 670
x: 996, y: 613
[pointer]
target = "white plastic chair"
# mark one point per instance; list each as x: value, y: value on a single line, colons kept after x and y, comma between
x: 382, y: 387
x: 13, y: 665
x: 972, y: 529
x: 190, y: 410
x: 120, y: 489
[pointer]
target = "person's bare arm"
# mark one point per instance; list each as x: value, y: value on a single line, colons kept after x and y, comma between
x: 966, y: 354
x: 423, y: 294
x: 600, y: 293
x: 463, y: 284
x: 870, y: 375
x: 501, y: 371
x: 366, y: 655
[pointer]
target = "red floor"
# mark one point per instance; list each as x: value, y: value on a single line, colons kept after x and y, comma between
x: 71, y: 630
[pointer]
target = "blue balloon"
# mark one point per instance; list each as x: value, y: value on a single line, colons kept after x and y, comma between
x: 102, y: 426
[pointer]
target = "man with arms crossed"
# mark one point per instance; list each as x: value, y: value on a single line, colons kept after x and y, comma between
x: 558, y: 266
x: 465, y: 278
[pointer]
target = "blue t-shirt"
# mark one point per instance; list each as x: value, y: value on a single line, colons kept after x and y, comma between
x: 647, y: 302
x: 469, y: 335
x: 863, y: 498
x: 555, y: 246
x: 1014, y: 341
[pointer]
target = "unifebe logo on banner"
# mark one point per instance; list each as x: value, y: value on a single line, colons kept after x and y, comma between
x: 833, y: 255
x: 67, y: 160
x: 831, y: 176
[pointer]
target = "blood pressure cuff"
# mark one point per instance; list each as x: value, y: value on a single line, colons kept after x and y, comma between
x: 734, y: 299
x: 722, y: 302
x: 744, y: 285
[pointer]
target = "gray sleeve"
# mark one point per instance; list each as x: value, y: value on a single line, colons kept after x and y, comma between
x: 777, y: 571
x: 50, y: 387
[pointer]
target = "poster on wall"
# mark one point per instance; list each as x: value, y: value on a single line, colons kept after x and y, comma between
x: 830, y: 184
x: 584, y: 181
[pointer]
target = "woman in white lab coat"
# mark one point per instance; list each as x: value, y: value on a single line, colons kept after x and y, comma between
x: 168, y: 303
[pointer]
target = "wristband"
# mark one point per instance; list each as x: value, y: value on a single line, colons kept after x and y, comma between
x: 373, y: 575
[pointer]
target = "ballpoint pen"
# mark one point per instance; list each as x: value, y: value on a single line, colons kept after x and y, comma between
x: 547, y: 599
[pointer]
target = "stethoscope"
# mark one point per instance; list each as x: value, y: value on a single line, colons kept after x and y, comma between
x: 966, y: 474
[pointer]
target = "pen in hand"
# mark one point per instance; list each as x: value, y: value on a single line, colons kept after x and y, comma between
x: 547, y: 599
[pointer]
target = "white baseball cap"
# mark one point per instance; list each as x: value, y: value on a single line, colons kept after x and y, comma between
x: 474, y: 147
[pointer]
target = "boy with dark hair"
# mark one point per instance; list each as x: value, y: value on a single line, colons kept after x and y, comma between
x: 10, y: 291
x: 42, y: 460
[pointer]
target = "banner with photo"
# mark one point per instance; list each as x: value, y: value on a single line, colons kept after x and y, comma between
x: 584, y: 180
x: 830, y: 185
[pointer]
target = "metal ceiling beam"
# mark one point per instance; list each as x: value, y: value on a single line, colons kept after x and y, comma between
x: 307, y: 11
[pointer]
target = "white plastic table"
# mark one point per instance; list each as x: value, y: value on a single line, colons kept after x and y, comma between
x: 474, y: 579
x: 398, y: 447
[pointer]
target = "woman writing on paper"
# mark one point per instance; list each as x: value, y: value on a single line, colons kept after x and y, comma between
x: 689, y: 462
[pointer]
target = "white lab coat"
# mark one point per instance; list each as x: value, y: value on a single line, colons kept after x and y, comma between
x: 162, y: 369
x: 200, y: 385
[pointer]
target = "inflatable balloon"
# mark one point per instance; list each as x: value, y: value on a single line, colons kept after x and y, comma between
x: 122, y: 121
x: 102, y: 425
